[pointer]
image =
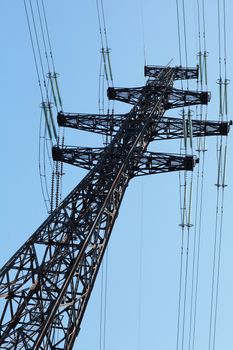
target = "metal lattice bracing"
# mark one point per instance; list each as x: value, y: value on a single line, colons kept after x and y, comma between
x: 164, y: 129
x: 146, y: 164
x: 172, y: 98
x: 181, y: 73
x: 46, y: 285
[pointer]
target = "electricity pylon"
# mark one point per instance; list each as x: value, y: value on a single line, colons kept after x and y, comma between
x: 46, y: 285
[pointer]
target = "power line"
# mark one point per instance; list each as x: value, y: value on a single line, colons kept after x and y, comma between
x: 43, y: 36
x: 221, y: 151
x: 47, y: 31
x: 38, y: 47
x: 105, y: 77
x: 105, y: 70
x: 33, y: 50
x: 143, y: 31
x: 178, y: 29
x: 185, y: 36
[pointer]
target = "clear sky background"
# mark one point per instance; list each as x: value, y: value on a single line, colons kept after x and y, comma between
x: 139, y: 316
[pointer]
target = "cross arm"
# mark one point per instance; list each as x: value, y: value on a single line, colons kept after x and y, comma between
x: 148, y: 163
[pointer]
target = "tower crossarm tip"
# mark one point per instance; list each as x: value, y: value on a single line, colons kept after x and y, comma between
x: 105, y: 124
x: 175, y: 128
x: 127, y: 95
x: 177, y: 98
x: 155, y: 163
x: 83, y: 157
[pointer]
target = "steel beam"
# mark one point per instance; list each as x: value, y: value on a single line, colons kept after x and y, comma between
x: 173, y: 98
x: 107, y: 124
x: 146, y: 164
x: 166, y: 128
x: 181, y: 73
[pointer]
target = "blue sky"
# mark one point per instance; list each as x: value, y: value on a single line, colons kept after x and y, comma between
x: 150, y: 210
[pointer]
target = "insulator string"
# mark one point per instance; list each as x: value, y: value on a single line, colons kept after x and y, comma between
x: 40, y: 41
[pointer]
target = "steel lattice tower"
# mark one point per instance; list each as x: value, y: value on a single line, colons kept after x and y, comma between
x: 46, y: 285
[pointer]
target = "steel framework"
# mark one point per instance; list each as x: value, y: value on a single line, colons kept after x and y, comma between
x: 46, y: 285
